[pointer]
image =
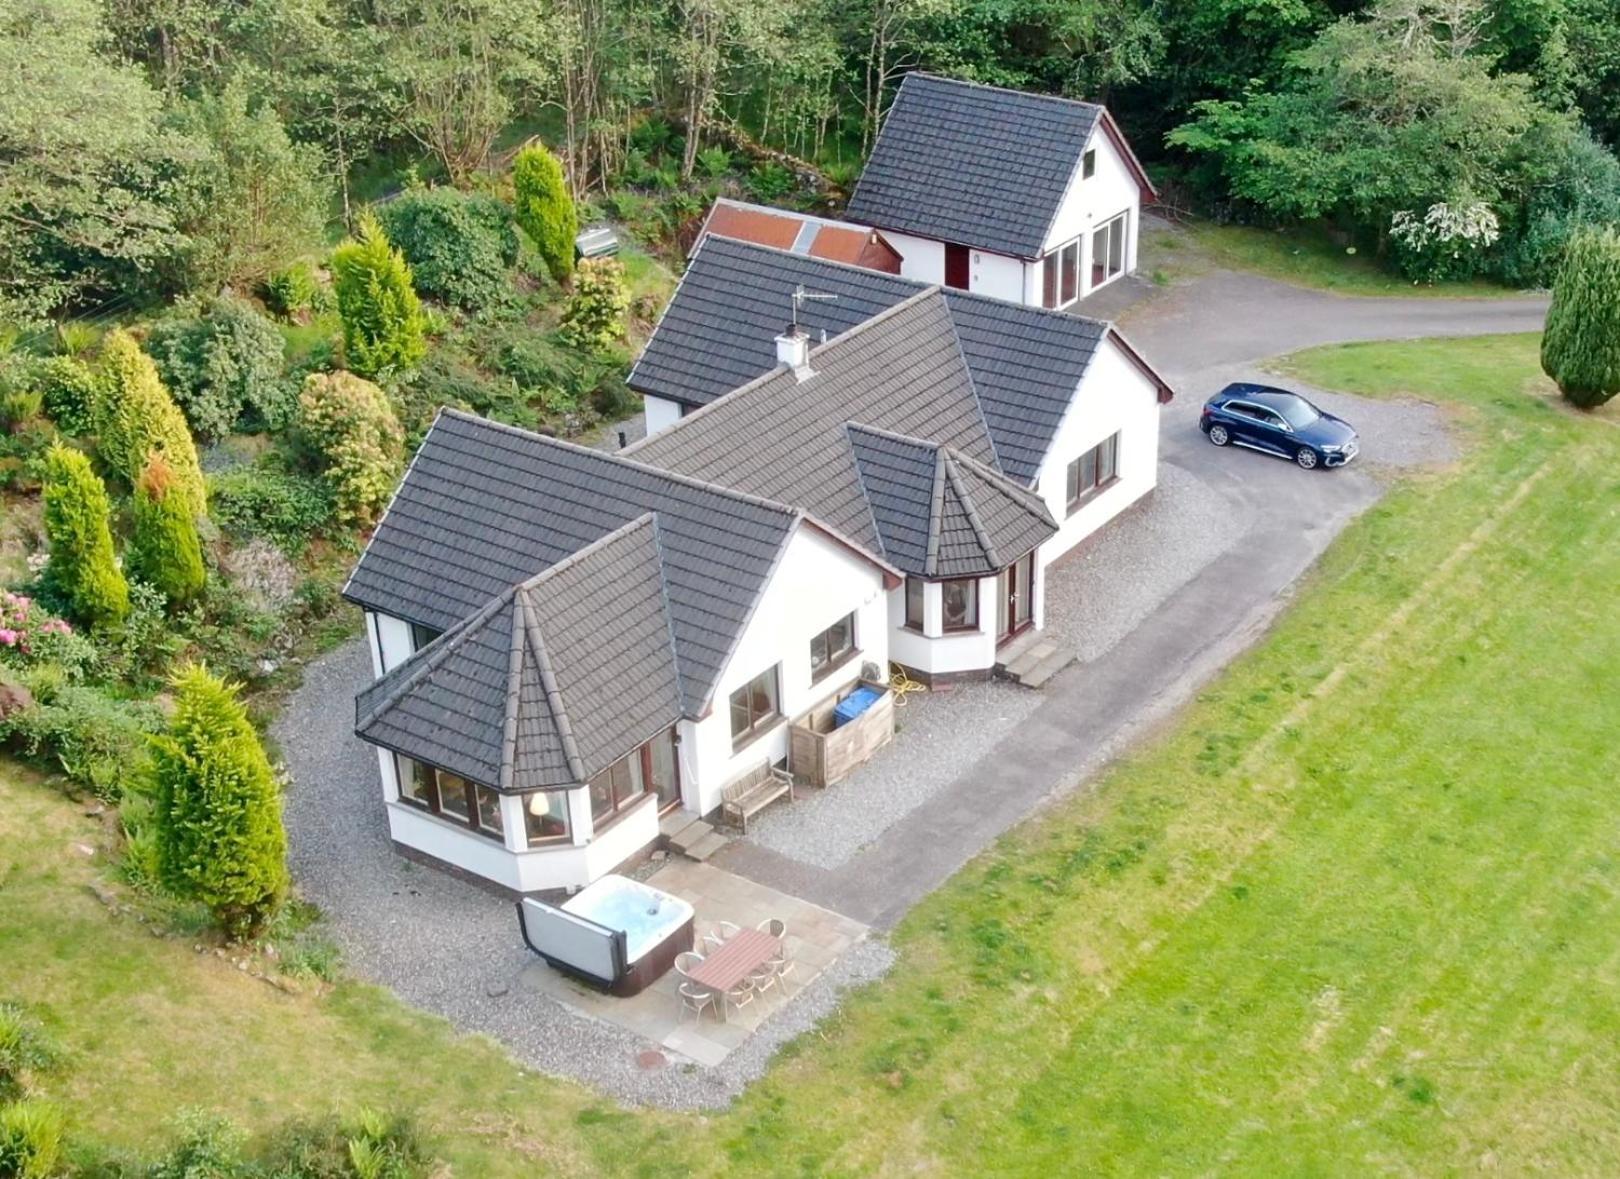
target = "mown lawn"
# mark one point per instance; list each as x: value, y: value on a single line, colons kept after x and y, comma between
x: 1357, y: 911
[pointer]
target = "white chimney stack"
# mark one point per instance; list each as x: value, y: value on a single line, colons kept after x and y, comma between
x: 793, y: 351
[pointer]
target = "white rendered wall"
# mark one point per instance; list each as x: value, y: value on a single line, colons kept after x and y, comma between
x: 934, y: 651
x: 1114, y: 395
x: 996, y: 275
x: 817, y: 582
x: 921, y: 258
x: 661, y: 414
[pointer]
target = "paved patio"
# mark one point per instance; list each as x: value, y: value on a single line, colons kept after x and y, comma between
x: 816, y: 939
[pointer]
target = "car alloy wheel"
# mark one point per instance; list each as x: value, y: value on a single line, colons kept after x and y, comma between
x: 1219, y: 436
x: 1306, y: 457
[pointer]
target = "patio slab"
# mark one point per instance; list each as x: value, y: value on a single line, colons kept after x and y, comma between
x: 816, y: 939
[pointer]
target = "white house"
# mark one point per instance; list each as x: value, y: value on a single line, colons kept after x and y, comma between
x: 1023, y: 197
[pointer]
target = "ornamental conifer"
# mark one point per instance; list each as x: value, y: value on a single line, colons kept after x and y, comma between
x: 545, y: 210
x: 83, y: 568
x: 218, y: 814
x: 1580, y: 348
x: 384, y: 328
x: 164, y: 551
x: 138, y: 417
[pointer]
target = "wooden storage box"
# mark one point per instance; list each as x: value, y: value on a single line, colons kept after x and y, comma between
x: 820, y: 754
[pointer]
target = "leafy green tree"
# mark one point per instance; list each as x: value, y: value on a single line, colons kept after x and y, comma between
x: 223, y: 364
x: 384, y: 328
x: 218, y: 807
x: 1580, y: 348
x: 349, y: 423
x: 82, y: 568
x: 545, y: 210
x: 139, y: 417
x: 164, y: 550
x: 249, y: 199
x: 81, y: 160
x: 460, y: 247
x: 594, y: 315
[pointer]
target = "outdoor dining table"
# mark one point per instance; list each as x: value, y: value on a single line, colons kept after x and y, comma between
x: 738, y: 956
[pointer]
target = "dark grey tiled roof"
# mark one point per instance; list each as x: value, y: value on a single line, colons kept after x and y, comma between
x: 549, y: 684
x: 486, y: 506
x: 786, y: 439
x: 972, y: 164
x: 719, y: 333
x: 939, y: 513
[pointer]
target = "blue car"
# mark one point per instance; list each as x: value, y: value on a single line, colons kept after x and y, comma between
x: 1278, y: 422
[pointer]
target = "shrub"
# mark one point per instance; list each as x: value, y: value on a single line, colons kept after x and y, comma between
x: 283, y: 507
x: 30, y: 1140
x: 72, y: 394
x: 1449, y: 242
x: 209, y: 1147
x: 350, y: 424
x: 31, y: 636
x: 82, y: 567
x: 594, y: 315
x: 370, y: 1146
x: 714, y: 162
x: 1580, y: 349
x: 292, y: 290
x: 19, y: 408
x: 1576, y: 184
x: 383, y: 325
x: 545, y: 210
x: 98, y: 742
x: 224, y: 367
x: 138, y: 416
x: 164, y: 550
x: 218, y: 807
x: 459, y: 247
x: 25, y: 1050
x: 769, y: 181
x: 148, y: 641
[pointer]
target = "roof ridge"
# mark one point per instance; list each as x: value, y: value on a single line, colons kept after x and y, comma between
x: 1022, y: 496
x: 866, y: 492
x: 973, y: 386
x: 398, y: 487
x: 986, y: 545
x: 581, y: 553
x: 776, y: 211
x: 669, y: 613
x: 548, y: 685
x: 618, y: 457
x: 971, y: 84
x: 936, y: 513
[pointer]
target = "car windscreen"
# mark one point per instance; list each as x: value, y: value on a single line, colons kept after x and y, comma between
x: 1296, y: 411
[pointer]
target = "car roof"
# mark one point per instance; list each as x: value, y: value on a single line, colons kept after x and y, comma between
x: 1266, y: 395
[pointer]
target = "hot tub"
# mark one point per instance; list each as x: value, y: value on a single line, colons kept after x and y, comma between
x: 617, y: 933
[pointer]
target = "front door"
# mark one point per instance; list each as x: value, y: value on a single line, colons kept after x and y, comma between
x: 956, y: 267
x: 1015, y: 603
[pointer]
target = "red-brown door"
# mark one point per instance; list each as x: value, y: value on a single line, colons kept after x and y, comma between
x: 956, y: 267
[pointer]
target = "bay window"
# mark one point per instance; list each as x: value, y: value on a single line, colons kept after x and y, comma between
x: 914, y: 603
x: 450, y: 797
x: 959, y: 602
x: 545, y: 817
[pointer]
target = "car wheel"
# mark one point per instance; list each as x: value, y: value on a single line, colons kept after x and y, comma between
x: 1306, y: 458
x: 1219, y: 435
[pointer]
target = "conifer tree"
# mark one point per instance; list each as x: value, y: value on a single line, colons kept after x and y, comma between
x: 138, y: 417
x: 82, y: 565
x: 218, y: 812
x: 545, y: 210
x: 165, y: 551
x: 384, y: 328
x: 1580, y: 348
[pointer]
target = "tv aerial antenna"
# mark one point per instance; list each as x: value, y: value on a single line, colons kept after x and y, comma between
x: 802, y: 296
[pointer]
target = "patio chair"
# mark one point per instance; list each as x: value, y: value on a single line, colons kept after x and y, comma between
x: 722, y: 932
x: 685, y: 961
x: 765, y: 978
x: 694, y: 999
x: 741, y: 995
x: 774, y: 926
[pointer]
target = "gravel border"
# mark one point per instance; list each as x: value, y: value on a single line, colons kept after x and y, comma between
x: 453, y: 949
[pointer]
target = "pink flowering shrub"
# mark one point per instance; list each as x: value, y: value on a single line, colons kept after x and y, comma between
x: 31, y: 636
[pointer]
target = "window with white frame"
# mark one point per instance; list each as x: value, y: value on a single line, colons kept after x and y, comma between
x: 1108, y: 250
x: 1060, y: 283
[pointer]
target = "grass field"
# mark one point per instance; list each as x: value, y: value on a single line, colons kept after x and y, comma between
x: 1303, y: 256
x: 1355, y: 912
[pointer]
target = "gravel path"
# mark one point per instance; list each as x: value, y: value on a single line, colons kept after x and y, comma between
x: 453, y: 949
x: 939, y: 732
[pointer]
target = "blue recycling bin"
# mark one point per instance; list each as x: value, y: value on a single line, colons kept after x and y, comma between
x: 854, y: 705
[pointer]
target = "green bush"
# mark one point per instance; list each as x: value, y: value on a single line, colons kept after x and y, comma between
x: 460, y: 247
x: 30, y: 1140
x: 72, y: 393
x: 292, y: 290
x: 30, y: 637
x: 283, y: 507
x: 593, y: 317
x: 138, y: 416
x: 769, y: 181
x: 218, y: 812
x: 350, y: 424
x: 208, y: 1147
x: 25, y: 1051
x: 98, y: 742
x: 1576, y: 183
x: 19, y: 408
x: 714, y: 162
x: 164, y: 550
x: 370, y: 1146
x: 545, y: 210
x: 1580, y: 348
x: 82, y: 566
x: 224, y: 365
x: 384, y: 329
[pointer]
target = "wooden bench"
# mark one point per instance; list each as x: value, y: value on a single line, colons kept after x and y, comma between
x: 748, y: 794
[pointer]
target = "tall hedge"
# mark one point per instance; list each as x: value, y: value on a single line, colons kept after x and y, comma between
x: 218, y: 807
x: 164, y: 550
x: 545, y: 210
x: 1580, y: 348
x: 460, y: 246
x: 349, y: 423
x: 384, y: 328
x: 82, y: 568
x: 138, y: 417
